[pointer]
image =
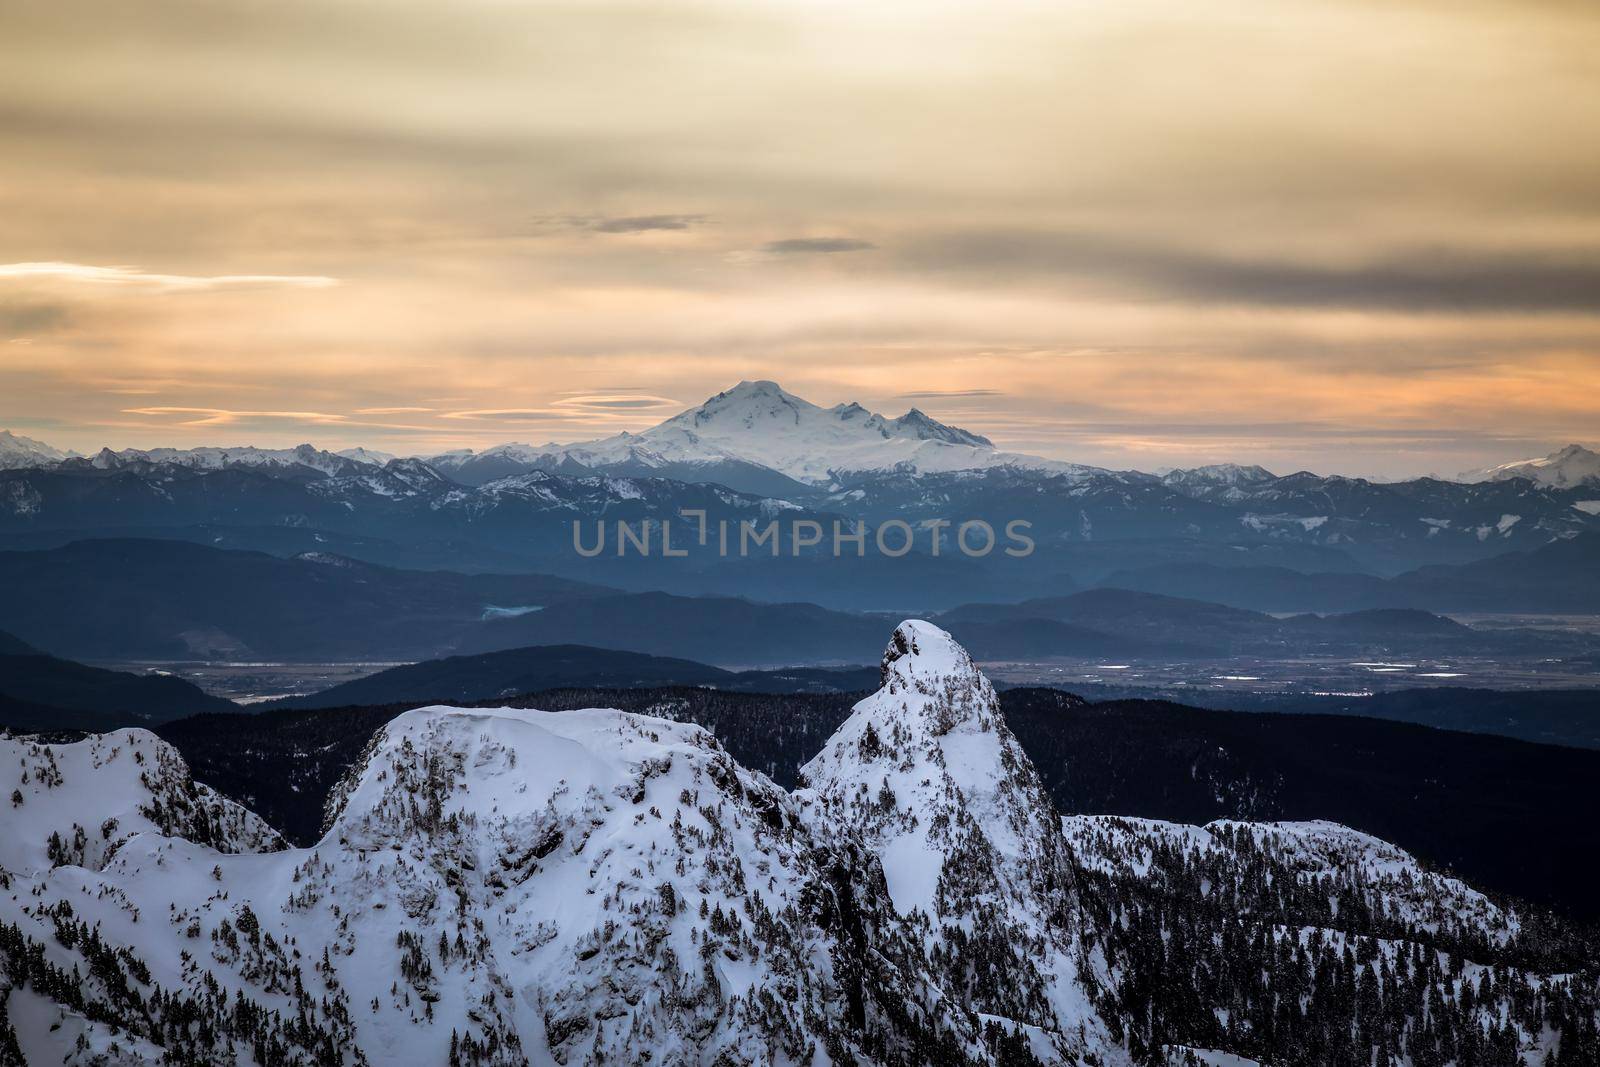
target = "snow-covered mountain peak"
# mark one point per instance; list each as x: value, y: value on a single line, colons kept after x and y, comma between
x: 210, y: 458
x: 366, y: 455
x: 1227, y: 483
x: 17, y: 451
x: 761, y: 423
x: 921, y: 657
x: 474, y: 761
x: 923, y: 427
x: 1571, y: 466
x: 78, y: 803
x: 765, y: 404
x: 606, y: 859
x: 750, y: 406
x: 935, y: 721
x: 1219, y: 474
x: 932, y: 737
x: 413, y: 472
x: 927, y: 774
x: 745, y: 435
x: 517, y: 450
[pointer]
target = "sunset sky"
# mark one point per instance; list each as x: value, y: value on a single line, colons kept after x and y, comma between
x: 1348, y: 236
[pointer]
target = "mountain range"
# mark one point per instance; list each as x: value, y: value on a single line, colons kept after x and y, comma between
x: 757, y: 452
x: 1562, y: 576
x: 500, y: 885
x: 17, y: 451
x: 40, y: 691
x: 760, y: 427
x: 757, y: 431
x: 1086, y: 532
x: 1570, y: 466
x: 511, y: 673
x: 150, y: 599
x: 1518, y: 812
x: 646, y: 807
x: 155, y: 600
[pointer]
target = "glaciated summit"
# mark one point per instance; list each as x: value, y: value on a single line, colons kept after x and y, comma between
x: 758, y: 426
x: 17, y: 451
x: 211, y: 459
x: 763, y: 424
x: 1566, y: 468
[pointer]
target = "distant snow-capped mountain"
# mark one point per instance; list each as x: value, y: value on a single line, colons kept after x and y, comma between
x: 1217, y: 480
x: 366, y: 455
x: 1566, y: 468
x: 213, y: 458
x: 759, y: 426
x: 760, y: 442
x: 1330, y: 524
x: 17, y: 451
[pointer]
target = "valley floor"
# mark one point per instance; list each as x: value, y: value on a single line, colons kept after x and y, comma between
x: 251, y: 682
x: 1312, y: 675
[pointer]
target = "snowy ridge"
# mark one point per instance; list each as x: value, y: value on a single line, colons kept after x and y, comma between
x: 210, y: 458
x: 1569, y: 467
x: 1227, y: 482
x: 78, y: 803
x: 759, y: 424
x: 1405, y: 963
x: 505, y: 886
x: 1313, y: 854
x: 17, y: 452
x: 366, y: 455
x: 398, y: 479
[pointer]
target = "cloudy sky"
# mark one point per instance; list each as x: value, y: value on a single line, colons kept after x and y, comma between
x: 1333, y: 234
